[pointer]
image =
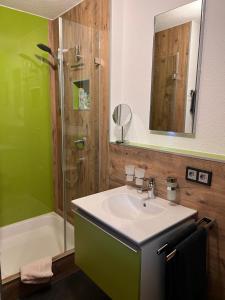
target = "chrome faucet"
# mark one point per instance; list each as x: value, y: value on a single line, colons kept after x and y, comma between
x: 150, y: 188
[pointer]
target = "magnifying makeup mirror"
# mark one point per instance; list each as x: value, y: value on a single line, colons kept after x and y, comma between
x: 122, y: 116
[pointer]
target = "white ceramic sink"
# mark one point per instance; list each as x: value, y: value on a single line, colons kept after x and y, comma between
x: 131, y: 207
x: 130, y: 214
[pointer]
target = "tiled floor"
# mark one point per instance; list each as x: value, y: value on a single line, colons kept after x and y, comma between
x: 75, y: 287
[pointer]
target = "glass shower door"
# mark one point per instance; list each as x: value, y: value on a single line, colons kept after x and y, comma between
x: 80, y: 76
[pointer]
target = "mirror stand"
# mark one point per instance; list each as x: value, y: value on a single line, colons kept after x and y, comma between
x: 122, y: 136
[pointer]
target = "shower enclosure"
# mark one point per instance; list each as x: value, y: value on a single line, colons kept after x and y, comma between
x: 80, y: 79
x: 79, y: 113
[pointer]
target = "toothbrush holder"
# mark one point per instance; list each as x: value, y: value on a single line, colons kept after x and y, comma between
x: 129, y: 171
x: 139, y: 176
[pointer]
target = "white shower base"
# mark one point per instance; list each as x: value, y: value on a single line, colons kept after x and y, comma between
x: 32, y: 239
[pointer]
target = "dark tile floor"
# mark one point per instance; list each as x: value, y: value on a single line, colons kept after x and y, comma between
x: 74, y: 287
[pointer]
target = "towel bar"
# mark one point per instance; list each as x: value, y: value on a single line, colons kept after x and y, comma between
x: 208, y: 223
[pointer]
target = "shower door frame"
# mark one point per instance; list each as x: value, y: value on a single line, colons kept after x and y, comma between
x: 62, y: 111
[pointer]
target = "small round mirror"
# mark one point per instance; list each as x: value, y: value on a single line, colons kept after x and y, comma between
x: 122, y: 114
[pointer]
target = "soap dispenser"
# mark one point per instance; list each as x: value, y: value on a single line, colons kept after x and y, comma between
x: 171, y: 189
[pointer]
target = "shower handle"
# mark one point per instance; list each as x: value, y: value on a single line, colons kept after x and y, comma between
x: 80, y: 141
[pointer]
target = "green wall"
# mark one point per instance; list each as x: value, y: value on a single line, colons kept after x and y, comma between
x: 26, y: 188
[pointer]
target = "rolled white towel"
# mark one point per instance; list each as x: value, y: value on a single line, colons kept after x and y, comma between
x: 37, y: 272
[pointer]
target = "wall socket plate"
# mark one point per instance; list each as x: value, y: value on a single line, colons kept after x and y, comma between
x: 199, y: 176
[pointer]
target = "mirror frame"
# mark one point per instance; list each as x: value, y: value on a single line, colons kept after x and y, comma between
x: 198, y: 75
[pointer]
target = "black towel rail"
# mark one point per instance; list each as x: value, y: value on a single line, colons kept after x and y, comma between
x: 205, y: 222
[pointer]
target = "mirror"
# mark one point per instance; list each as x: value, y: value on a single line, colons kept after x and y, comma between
x: 122, y: 116
x: 176, y: 70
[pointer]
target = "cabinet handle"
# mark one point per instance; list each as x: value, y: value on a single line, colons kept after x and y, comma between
x: 112, y: 236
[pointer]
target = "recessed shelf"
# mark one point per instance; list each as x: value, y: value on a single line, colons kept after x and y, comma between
x: 81, y: 94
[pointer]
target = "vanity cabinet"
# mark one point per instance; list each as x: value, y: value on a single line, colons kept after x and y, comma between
x: 114, y: 265
x: 117, y: 248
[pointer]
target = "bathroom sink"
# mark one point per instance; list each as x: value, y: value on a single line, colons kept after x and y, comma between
x: 130, y: 214
x: 131, y: 207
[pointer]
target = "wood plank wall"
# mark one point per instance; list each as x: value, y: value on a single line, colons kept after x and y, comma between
x: 87, y: 25
x: 171, y: 55
x: 209, y: 201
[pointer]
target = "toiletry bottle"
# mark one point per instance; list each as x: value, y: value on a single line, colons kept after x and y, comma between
x: 171, y: 189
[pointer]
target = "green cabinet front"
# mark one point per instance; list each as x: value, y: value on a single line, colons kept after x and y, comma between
x: 110, y: 263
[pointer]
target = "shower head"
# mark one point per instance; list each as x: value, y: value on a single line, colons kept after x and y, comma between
x: 45, y: 48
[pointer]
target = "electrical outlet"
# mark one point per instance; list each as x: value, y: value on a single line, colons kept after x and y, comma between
x: 199, y: 176
x: 205, y: 177
x: 191, y: 174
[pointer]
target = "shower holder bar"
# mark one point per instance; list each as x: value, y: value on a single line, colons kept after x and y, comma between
x: 80, y: 141
x: 207, y: 223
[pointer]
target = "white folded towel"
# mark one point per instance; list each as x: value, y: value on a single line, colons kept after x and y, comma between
x: 37, y: 272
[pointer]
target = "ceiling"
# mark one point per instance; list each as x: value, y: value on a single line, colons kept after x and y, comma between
x: 49, y: 9
x: 180, y: 15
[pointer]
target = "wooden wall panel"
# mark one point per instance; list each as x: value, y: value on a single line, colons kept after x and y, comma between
x: 87, y: 25
x: 104, y: 97
x: 209, y: 201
